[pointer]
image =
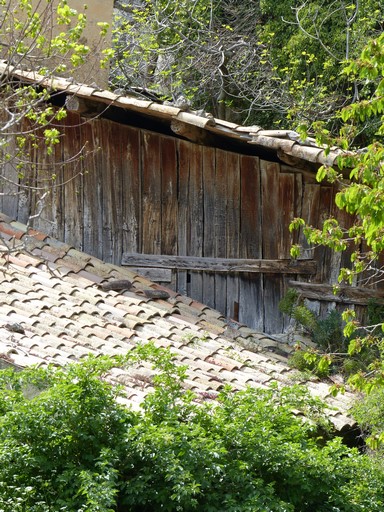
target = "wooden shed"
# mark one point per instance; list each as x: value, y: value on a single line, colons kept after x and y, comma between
x: 196, y: 204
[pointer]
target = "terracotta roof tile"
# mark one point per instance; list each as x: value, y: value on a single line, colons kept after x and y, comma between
x: 65, y: 316
x: 286, y: 142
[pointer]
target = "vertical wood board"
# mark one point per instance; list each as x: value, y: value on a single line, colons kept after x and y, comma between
x: 183, y: 217
x: 287, y: 212
x: 250, y: 208
x: 195, y: 218
x: 92, y: 191
x: 209, y: 180
x: 169, y: 199
x: 151, y: 202
x: 251, y: 304
x: 233, y: 230
x: 131, y: 191
x: 73, y: 188
x: 220, y: 222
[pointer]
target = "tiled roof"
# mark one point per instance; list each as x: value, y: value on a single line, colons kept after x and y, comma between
x: 286, y: 143
x: 55, y: 308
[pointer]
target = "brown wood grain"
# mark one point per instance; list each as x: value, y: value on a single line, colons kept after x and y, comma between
x: 169, y: 200
x: 233, y: 230
x: 344, y: 294
x: 195, y: 218
x: 131, y: 190
x: 72, y: 191
x: 220, y: 221
x: 224, y: 265
x: 148, y: 193
x: 250, y: 208
x: 151, y: 193
x: 92, y: 193
x: 209, y: 180
x: 287, y: 212
x: 183, y: 228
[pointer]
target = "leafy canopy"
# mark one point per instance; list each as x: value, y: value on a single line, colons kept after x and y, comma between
x: 67, y: 444
x: 262, y: 61
x: 45, y: 38
x: 361, y: 195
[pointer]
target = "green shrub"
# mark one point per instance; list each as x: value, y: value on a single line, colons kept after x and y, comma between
x: 331, y: 354
x: 369, y: 412
x: 328, y: 333
x: 73, y: 448
x: 375, y: 316
x: 309, y: 361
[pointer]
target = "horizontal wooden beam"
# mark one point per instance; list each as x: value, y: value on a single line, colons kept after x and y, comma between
x: 345, y: 295
x: 154, y: 274
x: 224, y: 265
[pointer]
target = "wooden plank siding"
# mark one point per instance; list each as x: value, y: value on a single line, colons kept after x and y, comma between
x: 220, y: 221
x: 233, y: 231
x: 208, y: 207
x: 195, y: 218
x: 92, y: 192
x: 131, y: 192
x: 151, y: 194
x: 140, y: 192
x: 251, y: 296
x: 183, y: 217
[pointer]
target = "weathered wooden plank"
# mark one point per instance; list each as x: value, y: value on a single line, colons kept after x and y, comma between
x: 117, y: 145
x: 220, y: 222
x: 22, y: 195
x: 233, y: 230
x: 345, y: 294
x: 112, y: 184
x: 225, y: 265
x: 310, y: 206
x: 287, y: 207
x: 250, y: 208
x: 157, y: 275
x: 92, y: 206
x: 297, y: 203
x: 169, y: 203
x: 250, y: 284
x: 324, y: 255
x: 73, y: 187
x: 271, y: 219
x: 182, y: 227
x: 209, y: 164
x: 287, y: 212
x: 271, y: 213
x: 8, y: 176
x: 131, y: 190
x: 151, y: 202
x: 251, y: 304
x: 195, y: 217
x: 38, y: 172
x: 286, y: 320
x: 55, y: 209
x: 273, y: 293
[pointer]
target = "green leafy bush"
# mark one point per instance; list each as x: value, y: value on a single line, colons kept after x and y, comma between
x: 72, y: 447
x: 310, y: 361
x: 332, y: 352
x: 328, y: 333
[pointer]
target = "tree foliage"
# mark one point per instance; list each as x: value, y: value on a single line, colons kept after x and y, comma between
x: 46, y: 39
x: 70, y: 446
x: 261, y: 62
x: 361, y: 195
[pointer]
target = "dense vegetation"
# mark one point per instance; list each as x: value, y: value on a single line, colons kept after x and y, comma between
x: 262, y: 61
x: 362, y: 196
x: 71, y: 446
